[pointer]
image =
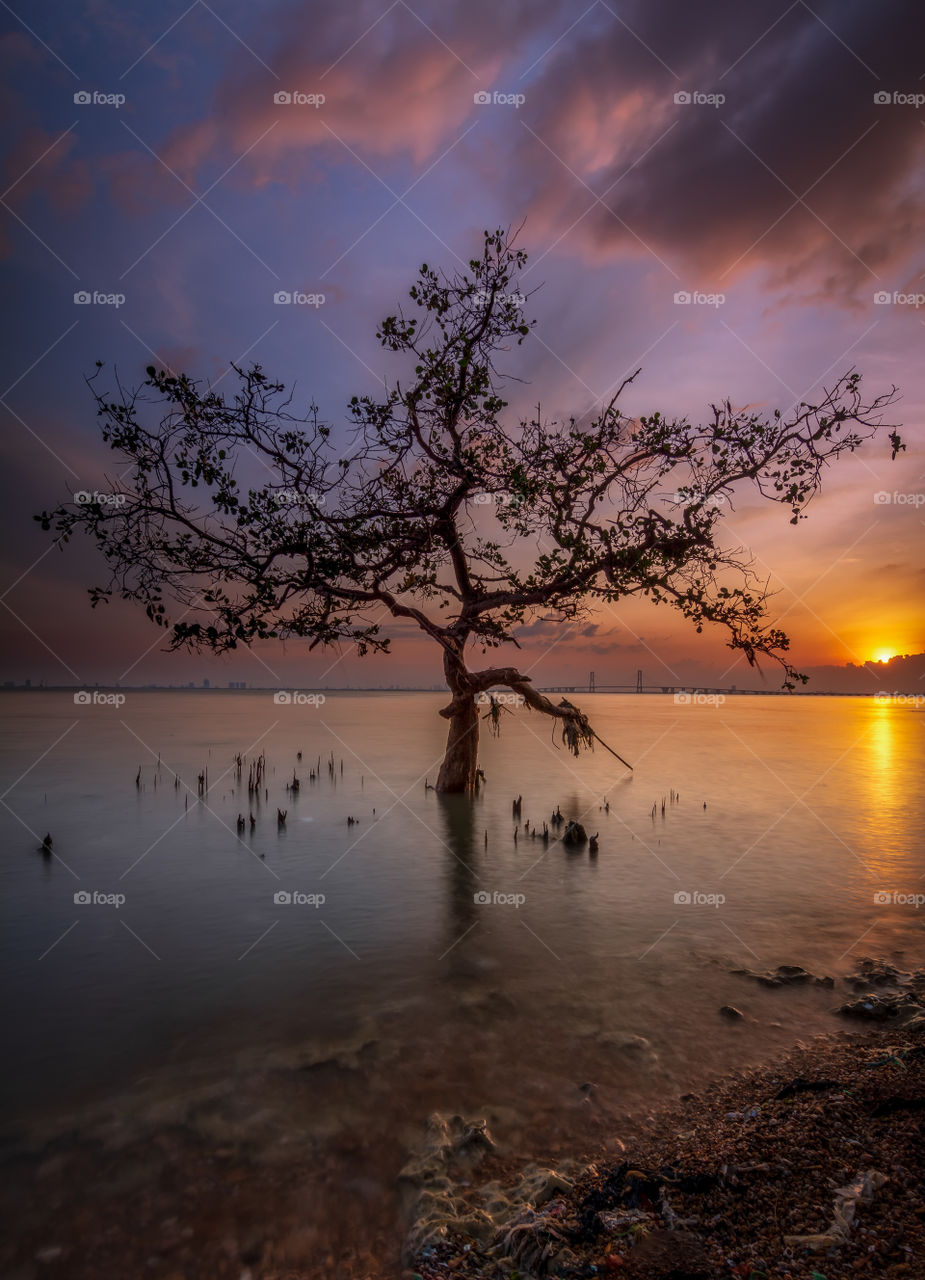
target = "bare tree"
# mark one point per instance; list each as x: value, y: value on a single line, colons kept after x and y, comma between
x: 430, y: 509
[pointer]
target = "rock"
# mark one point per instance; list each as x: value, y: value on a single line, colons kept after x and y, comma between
x: 792, y: 973
x: 574, y: 834
x: 900, y: 1007
x: 731, y: 1012
x: 625, y: 1042
x: 668, y: 1255
x: 876, y: 973
x: 785, y: 975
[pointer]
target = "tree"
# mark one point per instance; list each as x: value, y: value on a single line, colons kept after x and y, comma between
x: 430, y: 509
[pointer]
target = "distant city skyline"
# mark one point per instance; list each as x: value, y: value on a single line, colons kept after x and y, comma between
x: 903, y: 673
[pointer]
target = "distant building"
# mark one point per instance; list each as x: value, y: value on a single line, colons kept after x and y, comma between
x: 205, y: 684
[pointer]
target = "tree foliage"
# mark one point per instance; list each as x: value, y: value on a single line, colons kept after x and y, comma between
x: 432, y: 508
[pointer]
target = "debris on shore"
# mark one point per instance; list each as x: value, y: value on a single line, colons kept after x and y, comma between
x: 811, y: 1168
x: 786, y: 975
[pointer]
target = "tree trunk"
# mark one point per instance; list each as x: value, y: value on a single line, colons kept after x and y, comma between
x: 458, y: 771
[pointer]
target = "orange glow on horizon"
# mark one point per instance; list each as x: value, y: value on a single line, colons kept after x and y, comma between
x: 883, y: 655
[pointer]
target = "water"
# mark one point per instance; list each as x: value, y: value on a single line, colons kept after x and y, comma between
x: 402, y: 992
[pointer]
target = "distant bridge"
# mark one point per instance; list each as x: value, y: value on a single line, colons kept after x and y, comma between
x: 649, y: 688
x: 593, y: 687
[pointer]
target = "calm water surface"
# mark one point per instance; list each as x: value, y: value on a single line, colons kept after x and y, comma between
x: 404, y: 987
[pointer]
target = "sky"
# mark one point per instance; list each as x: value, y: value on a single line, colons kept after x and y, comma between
x: 184, y: 164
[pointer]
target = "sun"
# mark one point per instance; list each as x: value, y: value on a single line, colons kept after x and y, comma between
x: 883, y: 655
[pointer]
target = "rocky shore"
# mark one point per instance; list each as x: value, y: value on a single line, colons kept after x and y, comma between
x: 812, y: 1168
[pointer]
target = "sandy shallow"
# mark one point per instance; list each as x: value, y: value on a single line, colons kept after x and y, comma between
x: 220, y: 1183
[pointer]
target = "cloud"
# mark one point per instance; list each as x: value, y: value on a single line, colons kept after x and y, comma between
x: 714, y: 190
x: 43, y: 163
x: 394, y: 84
x: 799, y: 173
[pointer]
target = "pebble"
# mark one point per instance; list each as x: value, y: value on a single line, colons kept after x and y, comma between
x: 731, y: 1012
